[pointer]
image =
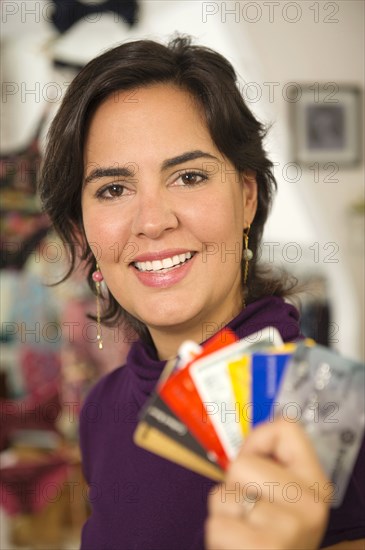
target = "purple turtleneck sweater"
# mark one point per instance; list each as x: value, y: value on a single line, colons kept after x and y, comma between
x: 141, y: 501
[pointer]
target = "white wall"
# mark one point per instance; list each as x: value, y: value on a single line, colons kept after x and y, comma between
x: 309, y: 51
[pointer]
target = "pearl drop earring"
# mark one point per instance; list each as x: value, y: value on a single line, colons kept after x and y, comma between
x: 97, y: 277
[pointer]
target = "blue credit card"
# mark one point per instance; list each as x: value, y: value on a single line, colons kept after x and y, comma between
x: 267, y: 371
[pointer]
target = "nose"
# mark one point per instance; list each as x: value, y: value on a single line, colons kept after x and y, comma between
x: 154, y: 215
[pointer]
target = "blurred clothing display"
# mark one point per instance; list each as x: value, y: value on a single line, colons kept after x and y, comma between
x: 68, y: 12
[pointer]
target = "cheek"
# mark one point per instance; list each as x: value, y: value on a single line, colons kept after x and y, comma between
x: 218, y: 219
x: 107, y: 235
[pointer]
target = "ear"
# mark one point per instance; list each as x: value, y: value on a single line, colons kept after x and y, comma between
x: 249, y: 186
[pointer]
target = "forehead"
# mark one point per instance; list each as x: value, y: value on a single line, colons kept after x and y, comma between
x: 154, y: 102
x: 156, y: 116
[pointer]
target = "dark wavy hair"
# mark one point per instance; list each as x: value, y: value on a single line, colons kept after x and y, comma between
x: 237, y: 134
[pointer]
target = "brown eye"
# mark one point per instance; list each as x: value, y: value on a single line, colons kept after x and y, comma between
x: 112, y: 191
x: 189, y: 179
x: 115, y: 190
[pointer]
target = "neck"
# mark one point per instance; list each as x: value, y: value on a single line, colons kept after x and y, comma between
x: 167, y: 340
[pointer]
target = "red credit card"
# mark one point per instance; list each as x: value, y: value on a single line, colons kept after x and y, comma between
x: 180, y: 394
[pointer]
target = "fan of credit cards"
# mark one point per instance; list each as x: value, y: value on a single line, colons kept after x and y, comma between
x: 210, y: 397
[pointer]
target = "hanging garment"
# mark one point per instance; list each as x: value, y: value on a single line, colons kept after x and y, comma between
x: 23, y: 224
x: 69, y: 12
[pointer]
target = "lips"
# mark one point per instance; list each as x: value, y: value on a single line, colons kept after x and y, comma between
x: 163, y: 269
x: 163, y: 264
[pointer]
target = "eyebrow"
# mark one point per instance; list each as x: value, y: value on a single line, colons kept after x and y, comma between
x: 111, y: 171
x: 190, y: 155
x: 123, y: 171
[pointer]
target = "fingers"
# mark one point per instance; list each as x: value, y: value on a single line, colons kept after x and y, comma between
x: 266, y: 526
x: 223, y: 532
x: 255, y: 478
x: 279, y: 490
x: 228, y: 499
x: 253, y: 512
x: 274, y: 522
x: 268, y: 491
x: 289, y: 445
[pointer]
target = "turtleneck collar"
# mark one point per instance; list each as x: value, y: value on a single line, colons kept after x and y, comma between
x: 144, y: 367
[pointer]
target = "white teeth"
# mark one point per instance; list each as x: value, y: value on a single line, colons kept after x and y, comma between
x: 166, y: 263
x: 176, y: 260
x: 156, y: 265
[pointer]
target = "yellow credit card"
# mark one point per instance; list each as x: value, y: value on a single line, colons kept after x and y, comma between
x: 240, y: 374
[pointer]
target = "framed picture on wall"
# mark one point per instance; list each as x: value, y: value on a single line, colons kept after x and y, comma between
x: 326, y: 122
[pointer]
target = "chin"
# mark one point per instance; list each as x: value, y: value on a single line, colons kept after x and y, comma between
x: 166, y: 319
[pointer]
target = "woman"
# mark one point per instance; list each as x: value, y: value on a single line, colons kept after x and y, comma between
x: 155, y: 168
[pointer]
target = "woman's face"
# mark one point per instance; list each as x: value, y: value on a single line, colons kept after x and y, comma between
x: 164, y: 212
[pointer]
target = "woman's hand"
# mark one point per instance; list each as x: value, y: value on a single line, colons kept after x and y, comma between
x: 274, y: 494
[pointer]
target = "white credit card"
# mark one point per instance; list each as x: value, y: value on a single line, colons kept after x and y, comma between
x: 213, y: 383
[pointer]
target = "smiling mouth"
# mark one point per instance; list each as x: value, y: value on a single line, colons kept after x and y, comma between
x: 165, y: 265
